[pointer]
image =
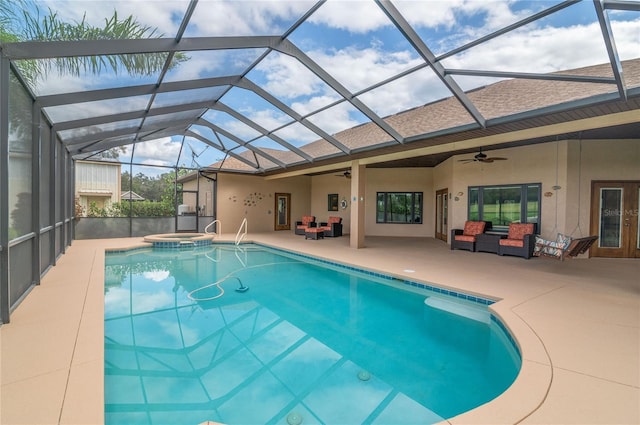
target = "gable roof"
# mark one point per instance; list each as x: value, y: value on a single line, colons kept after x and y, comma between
x: 131, y: 196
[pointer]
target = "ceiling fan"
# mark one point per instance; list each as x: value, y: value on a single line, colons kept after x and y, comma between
x: 346, y: 174
x: 482, y: 157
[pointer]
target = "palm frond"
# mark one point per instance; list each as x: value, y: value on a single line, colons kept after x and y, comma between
x: 35, y: 26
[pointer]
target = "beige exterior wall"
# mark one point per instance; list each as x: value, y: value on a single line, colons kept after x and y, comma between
x: 399, y: 180
x: 543, y: 163
x: 571, y: 165
x: 595, y: 160
x: 321, y: 187
x: 251, y: 197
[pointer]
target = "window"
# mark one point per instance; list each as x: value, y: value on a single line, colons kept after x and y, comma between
x: 399, y: 207
x: 502, y: 205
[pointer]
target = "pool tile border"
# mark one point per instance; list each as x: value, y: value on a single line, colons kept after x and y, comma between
x: 439, y: 290
x: 461, y: 295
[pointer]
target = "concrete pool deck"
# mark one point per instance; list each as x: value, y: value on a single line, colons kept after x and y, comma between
x: 577, y: 323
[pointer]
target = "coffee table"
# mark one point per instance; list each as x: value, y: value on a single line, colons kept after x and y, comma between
x: 313, y: 233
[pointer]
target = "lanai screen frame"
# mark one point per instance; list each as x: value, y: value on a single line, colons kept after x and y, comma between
x: 47, y: 241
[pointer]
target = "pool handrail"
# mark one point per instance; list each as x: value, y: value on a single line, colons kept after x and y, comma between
x: 218, y: 228
x: 239, y: 236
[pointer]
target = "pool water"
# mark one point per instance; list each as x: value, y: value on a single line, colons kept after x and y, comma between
x: 251, y: 335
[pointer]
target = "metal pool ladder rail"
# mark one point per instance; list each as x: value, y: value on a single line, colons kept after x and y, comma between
x: 240, y: 235
x: 217, y: 230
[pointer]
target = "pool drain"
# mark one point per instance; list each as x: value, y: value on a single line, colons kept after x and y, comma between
x: 294, y: 419
x: 363, y: 375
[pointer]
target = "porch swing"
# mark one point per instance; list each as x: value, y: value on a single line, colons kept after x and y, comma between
x: 564, y: 246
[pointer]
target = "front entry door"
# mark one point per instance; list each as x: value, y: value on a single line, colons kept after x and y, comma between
x: 614, y: 218
x: 442, y: 208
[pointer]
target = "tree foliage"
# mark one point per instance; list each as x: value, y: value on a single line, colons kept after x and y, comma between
x: 159, y: 193
x: 22, y: 22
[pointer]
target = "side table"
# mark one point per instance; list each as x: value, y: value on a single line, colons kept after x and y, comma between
x: 489, y: 242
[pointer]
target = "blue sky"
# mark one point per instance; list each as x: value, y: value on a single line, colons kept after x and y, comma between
x: 355, y: 42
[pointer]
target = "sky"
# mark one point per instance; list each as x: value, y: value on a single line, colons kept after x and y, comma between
x: 354, y: 42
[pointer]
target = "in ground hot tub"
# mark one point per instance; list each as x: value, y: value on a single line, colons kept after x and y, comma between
x: 179, y: 240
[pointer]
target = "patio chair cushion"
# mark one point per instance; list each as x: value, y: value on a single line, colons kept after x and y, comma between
x: 306, y: 220
x: 512, y: 242
x: 465, y: 238
x: 517, y: 231
x: 472, y: 228
x: 520, y: 240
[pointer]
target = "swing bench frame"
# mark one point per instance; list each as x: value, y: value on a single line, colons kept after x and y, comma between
x: 559, y: 249
x: 576, y: 247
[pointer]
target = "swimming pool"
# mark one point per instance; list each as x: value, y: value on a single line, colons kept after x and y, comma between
x: 307, y: 342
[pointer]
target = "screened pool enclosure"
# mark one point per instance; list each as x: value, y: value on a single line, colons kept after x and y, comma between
x: 117, y: 125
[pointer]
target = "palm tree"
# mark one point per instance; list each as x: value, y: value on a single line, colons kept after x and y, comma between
x: 20, y: 21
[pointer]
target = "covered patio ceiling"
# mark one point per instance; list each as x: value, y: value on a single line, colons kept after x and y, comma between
x: 293, y: 87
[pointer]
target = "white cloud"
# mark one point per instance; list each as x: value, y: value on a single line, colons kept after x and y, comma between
x: 267, y: 118
x: 245, y: 17
x: 335, y: 119
x: 312, y: 104
x: 297, y: 134
x: 287, y: 78
x: 353, y: 16
x: 540, y: 50
x: 157, y: 275
x: 423, y: 85
x: 627, y: 35
x: 360, y: 68
x: 118, y: 300
x: 162, y: 151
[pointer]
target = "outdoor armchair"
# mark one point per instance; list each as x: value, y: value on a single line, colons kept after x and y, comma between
x: 307, y: 221
x: 519, y: 242
x: 466, y: 238
x: 332, y: 227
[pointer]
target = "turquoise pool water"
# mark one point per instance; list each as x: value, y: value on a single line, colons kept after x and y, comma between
x: 308, y: 342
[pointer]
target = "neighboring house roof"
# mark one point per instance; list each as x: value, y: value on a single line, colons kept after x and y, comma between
x: 95, y: 192
x: 129, y: 195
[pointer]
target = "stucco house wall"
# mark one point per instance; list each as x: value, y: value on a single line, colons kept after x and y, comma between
x: 253, y: 198
x: 321, y: 187
x: 543, y: 163
x: 399, y: 180
x: 595, y: 160
x: 564, y: 168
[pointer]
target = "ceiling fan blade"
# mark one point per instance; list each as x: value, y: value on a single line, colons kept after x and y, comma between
x: 497, y: 158
x: 467, y: 160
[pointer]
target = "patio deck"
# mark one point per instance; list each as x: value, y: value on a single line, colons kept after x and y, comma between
x: 577, y: 322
